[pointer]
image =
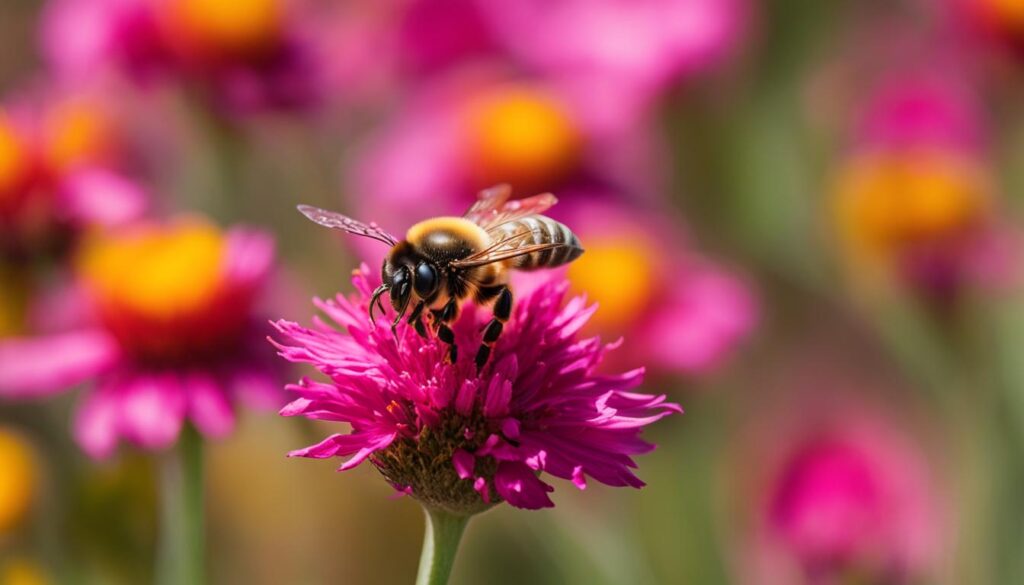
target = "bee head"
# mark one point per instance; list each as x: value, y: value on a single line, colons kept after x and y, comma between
x: 404, y: 277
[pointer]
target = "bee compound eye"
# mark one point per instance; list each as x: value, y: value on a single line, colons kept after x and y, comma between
x: 426, y: 279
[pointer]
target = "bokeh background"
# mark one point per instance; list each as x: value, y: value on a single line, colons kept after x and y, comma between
x: 801, y: 215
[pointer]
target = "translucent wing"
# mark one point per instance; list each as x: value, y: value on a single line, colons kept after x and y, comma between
x: 338, y: 221
x: 493, y: 208
x: 511, y: 247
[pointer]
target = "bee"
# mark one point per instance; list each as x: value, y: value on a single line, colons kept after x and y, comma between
x: 445, y: 260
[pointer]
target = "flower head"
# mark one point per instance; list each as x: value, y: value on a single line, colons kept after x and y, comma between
x: 464, y: 440
x: 848, y: 496
x: 172, y: 335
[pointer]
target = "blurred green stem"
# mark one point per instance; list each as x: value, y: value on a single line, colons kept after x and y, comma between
x: 181, y: 514
x: 440, y: 544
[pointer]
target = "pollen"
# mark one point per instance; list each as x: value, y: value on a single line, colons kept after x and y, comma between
x: 885, y: 201
x: 77, y: 132
x: 15, y: 160
x: 619, y: 274
x: 157, y: 273
x: 522, y: 135
x: 228, y: 28
x: 17, y: 482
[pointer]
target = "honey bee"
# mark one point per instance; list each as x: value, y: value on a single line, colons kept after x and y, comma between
x: 444, y: 260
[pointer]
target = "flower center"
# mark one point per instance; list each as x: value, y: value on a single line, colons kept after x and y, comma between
x: 17, y: 480
x: 521, y: 135
x: 158, y: 288
x: 886, y: 201
x: 1007, y: 12
x: 77, y: 133
x: 15, y: 161
x: 618, y: 273
x: 424, y: 464
x: 228, y: 28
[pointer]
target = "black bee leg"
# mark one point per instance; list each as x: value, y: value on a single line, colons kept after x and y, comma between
x: 416, y: 321
x: 502, y: 312
x: 448, y: 314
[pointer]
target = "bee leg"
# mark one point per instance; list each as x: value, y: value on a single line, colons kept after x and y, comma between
x: 448, y: 314
x: 502, y: 312
x: 416, y: 321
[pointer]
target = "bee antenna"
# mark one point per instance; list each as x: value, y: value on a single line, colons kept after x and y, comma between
x: 375, y: 300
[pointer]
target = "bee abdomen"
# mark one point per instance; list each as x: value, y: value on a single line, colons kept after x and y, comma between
x: 542, y: 230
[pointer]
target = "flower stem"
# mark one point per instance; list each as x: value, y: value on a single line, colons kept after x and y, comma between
x: 440, y: 544
x: 181, y: 514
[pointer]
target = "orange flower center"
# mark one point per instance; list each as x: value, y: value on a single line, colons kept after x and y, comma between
x: 158, y: 273
x: 228, y: 28
x: 1007, y: 12
x: 78, y: 132
x: 15, y: 161
x: 521, y: 135
x: 886, y: 201
x: 17, y: 482
x: 618, y: 272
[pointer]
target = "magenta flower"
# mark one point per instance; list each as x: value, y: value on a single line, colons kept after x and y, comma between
x: 916, y: 200
x: 263, y: 57
x: 619, y: 54
x: 683, y: 313
x: 847, y: 496
x: 172, y: 336
x: 476, y: 128
x: 460, y: 440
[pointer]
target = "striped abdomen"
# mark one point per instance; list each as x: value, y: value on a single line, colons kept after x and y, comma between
x: 538, y: 229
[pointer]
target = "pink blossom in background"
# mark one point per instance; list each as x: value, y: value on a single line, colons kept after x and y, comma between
x: 66, y: 172
x: 482, y: 127
x: 846, y: 495
x: 681, y: 312
x: 618, y: 55
x: 916, y: 196
x: 257, y: 59
x: 172, y: 335
x: 464, y: 440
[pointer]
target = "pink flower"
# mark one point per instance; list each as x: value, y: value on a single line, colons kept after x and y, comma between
x: 462, y: 440
x: 681, y: 311
x: 259, y: 58
x: 915, y: 198
x: 619, y: 54
x: 172, y: 337
x: 846, y: 496
x: 61, y: 171
x: 481, y: 127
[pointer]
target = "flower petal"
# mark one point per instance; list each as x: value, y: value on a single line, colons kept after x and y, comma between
x: 519, y: 486
x: 45, y: 365
x: 208, y: 405
x: 95, y: 427
x: 152, y: 410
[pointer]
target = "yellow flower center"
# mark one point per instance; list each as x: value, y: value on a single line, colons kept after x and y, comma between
x: 229, y: 28
x: 15, y: 161
x: 1008, y: 12
x: 17, y: 480
x: 77, y: 132
x: 158, y: 273
x: 886, y: 201
x: 618, y: 272
x: 22, y: 572
x: 521, y: 135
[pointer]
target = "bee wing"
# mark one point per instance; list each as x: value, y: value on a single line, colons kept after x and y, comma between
x: 338, y: 221
x: 493, y: 208
x: 506, y: 249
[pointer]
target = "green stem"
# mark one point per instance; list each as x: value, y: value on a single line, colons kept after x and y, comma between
x: 181, y: 514
x: 440, y: 544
